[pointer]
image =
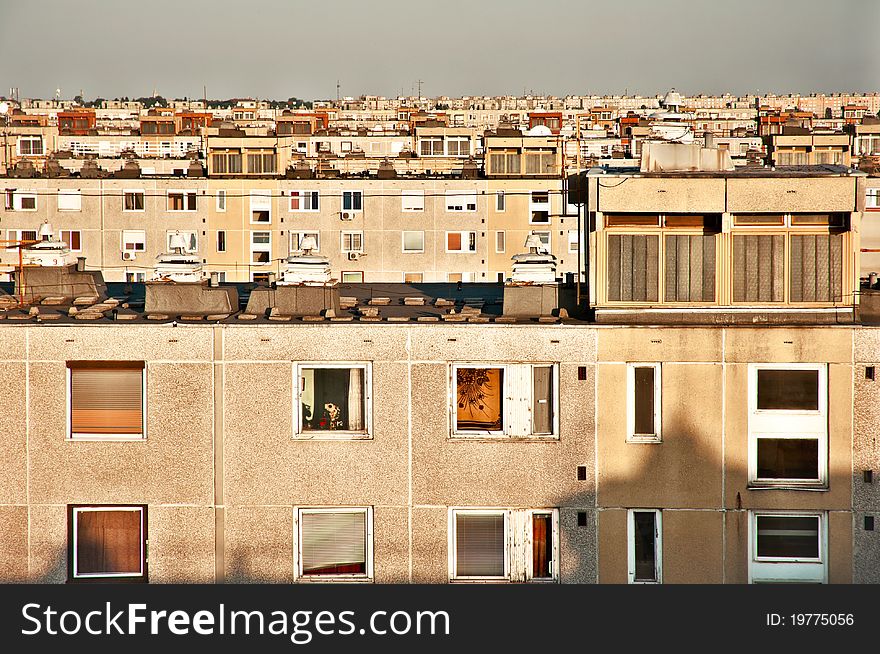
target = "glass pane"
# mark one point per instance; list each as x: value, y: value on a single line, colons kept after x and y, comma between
x: 332, y: 399
x: 453, y: 242
x: 479, y: 545
x: 788, y: 389
x: 645, y: 546
x: 542, y: 546
x: 334, y: 543
x: 644, y: 400
x: 413, y: 241
x: 788, y: 536
x: 479, y: 397
x: 788, y: 458
x: 542, y: 391
x: 108, y: 542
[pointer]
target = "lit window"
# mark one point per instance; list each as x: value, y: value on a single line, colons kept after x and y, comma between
x: 333, y: 401
x: 107, y: 542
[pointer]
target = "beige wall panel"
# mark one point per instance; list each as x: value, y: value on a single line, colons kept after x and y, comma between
x: 661, y: 195
x: 692, y: 547
x: 612, y: 547
x: 13, y: 433
x: 788, y: 345
x: 659, y: 344
x: 259, y: 544
x: 840, y: 547
x: 13, y: 544
x: 181, y: 544
x: 790, y: 195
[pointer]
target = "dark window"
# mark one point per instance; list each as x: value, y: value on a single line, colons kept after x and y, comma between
x: 791, y: 537
x: 758, y: 268
x: 633, y: 268
x: 644, y: 400
x: 107, y: 542
x: 788, y: 458
x: 690, y: 268
x: 542, y: 546
x: 788, y: 390
x: 645, y: 545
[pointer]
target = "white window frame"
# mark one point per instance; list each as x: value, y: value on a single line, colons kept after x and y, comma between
x: 351, y: 236
x: 18, y: 198
x: 500, y: 201
x: 465, y: 239
x: 330, y: 434
x: 540, y: 233
x: 461, y: 201
x: 70, y: 437
x: 61, y: 234
x: 134, y: 191
x: 30, y: 138
x: 186, y: 195
x: 403, y: 241
x: 785, y: 569
x: 518, y: 533
x: 296, y: 237
x: 186, y: 233
x: 221, y: 201
x: 312, y: 197
x: 631, y: 436
x: 348, y: 274
x: 260, y: 247
x: 412, y: 201
x: 298, y: 540
x: 135, y: 241
x: 73, y: 196
x: 503, y: 235
x: 225, y: 241
x: 350, y: 196
x: 788, y: 423
x: 631, y: 546
x: 573, y: 243
x: 872, y: 198
x: 459, y: 140
x: 540, y: 206
x: 512, y: 420
x: 107, y: 575
x: 258, y: 200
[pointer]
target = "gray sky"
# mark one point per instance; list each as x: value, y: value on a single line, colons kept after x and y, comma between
x: 283, y: 48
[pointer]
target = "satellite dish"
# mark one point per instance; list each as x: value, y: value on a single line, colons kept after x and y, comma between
x: 4, y: 108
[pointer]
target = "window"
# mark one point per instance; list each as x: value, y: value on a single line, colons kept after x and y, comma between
x: 412, y: 201
x: 352, y: 200
x: 500, y: 201
x: 19, y: 235
x: 134, y: 240
x: 134, y: 277
x: 261, y: 163
x: 106, y: 399
x: 517, y: 545
x: 261, y: 247
x: 221, y: 201
x: 633, y: 260
x: 345, y: 146
x: 500, y: 241
x: 20, y: 201
x: 644, y: 546
x: 413, y: 278
x: 352, y: 277
x: 106, y: 542
x: 515, y: 400
x: 296, y: 240
x: 643, y: 402
x: 30, y: 146
x: 73, y: 238
x: 573, y: 241
x: 221, y: 240
x: 431, y: 146
x: 226, y: 162
x: 788, y: 547
x: 133, y: 200
x: 461, y: 201
x: 261, y: 206
x: 181, y: 201
x: 461, y: 241
x: 458, y: 146
x: 352, y: 241
x: 9, y: 199
x: 539, y: 207
x: 333, y: 401
x: 69, y: 200
x: 413, y: 241
x: 872, y: 198
x: 191, y: 238
x: 544, y: 237
x: 788, y: 425
x: 334, y: 543
x: 304, y: 201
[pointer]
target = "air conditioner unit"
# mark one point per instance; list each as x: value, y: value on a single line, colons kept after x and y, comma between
x: 128, y: 255
x: 346, y: 215
x: 354, y: 256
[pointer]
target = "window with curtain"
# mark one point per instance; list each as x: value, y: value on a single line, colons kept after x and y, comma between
x: 333, y: 401
x: 107, y: 542
x: 335, y: 543
x: 505, y: 400
x: 106, y: 399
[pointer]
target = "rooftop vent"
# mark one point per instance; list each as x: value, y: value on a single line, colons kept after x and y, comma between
x: 304, y: 267
x: 537, y: 265
x: 178, y: 265
x: 48, y: 251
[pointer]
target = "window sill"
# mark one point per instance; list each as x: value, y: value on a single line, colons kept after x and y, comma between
x: 333, y: 436
x: 815, y: 487
x: 644, y: 439
x: 116, y: 438
x: 334, y: 580
x: 489, y: 438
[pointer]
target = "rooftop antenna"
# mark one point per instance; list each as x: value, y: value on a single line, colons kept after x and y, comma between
x: 420, y: 90
x: 337, y: 91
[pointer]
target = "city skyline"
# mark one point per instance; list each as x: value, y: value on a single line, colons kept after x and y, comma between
x: 382, y: 49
